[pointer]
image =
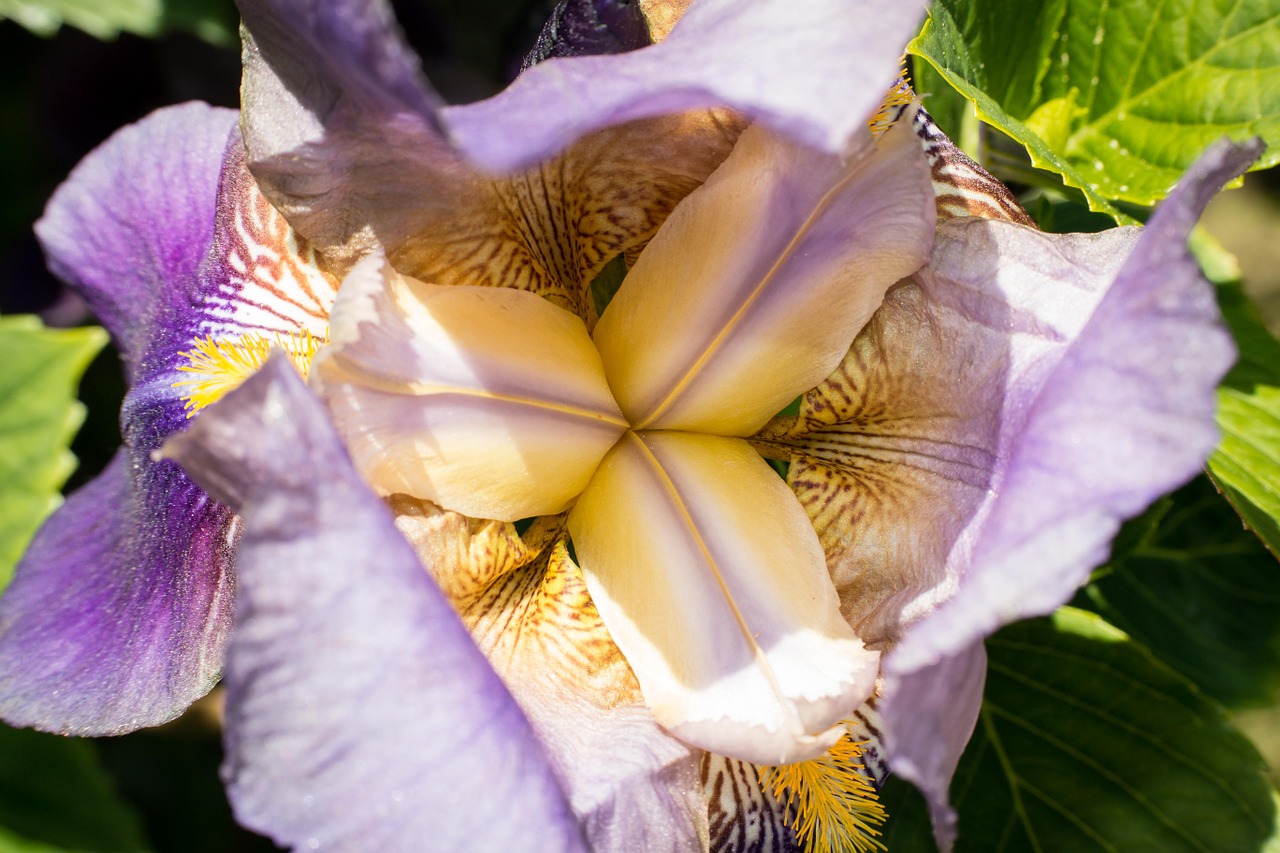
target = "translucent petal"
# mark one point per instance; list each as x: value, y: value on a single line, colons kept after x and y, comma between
x: 710, y: 578
x: 488, y: 401
x: 360, y: 714
x: 812, y: 70
x: 753, y: 289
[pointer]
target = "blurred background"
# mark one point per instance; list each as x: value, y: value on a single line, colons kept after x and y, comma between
x: 64, y: 90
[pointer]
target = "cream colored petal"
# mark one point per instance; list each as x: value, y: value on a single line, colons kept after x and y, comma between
x: 753, y: 289
x: 711, y: 580
x: 488, y: 401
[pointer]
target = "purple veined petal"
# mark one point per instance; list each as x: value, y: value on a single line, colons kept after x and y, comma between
x: 360, y: 714
x: 927, y: 717
x: 1109, y: 403
x: 131, y: 225
x: 814, y: 71
x: 1121, y: 412
x: 756, y: 284
x: 118, y: 612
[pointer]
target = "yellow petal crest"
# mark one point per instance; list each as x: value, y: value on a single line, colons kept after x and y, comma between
x: 753, y: 289
x: 708, y: 574
x: 485, y: 400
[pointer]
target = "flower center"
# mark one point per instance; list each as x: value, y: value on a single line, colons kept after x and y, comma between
x: 831, y: 805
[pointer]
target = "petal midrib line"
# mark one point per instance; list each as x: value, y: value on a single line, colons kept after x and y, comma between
x: 422, y: 389
x: 681, y: 386
x: 682, y: 509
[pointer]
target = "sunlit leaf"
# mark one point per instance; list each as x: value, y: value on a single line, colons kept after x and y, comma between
x: 38, y: 417
x: 212, y: 20
x: 1116, y: 96
x: 1246, y: 465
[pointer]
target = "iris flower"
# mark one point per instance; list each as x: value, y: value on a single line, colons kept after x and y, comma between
x: 513, y: 573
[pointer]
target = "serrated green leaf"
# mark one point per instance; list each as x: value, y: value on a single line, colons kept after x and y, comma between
x: 1200, y: 592
x: 55, y: 796
x: 1246, y: 464
x: 1118, y: 97
x: 1087, y: 742
x: 104, y: 19
x: 39, y: 415
x: 211, y: 20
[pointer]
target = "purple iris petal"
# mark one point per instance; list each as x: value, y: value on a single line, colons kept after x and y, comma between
x: 117, y: 614
x: 339, y: 123
x: 340, y: 48
x: 812, y: 70
x: 1109, y: 404
x: 130, y: 227
x: 929, y: 716
x: 360, y: 714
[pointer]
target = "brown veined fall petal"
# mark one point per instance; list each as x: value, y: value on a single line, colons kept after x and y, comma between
x: 543, y: 634
x: 894, y: 452
x: 527, y: 607
x: 488, y: 401
x: 711, y: 580
x: 550, y: 229
x: 757, y: 283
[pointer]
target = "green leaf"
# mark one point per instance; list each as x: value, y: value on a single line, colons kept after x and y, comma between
x: 1116, y: 96
x: 1198, y: 590
x: 55, y: 796
x: 1087, y: 742
x: 212, y: 20
x: 907, y: 829
x: 39, y: 415
x: 1246, y: 464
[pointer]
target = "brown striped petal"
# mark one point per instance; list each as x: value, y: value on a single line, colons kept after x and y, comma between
x: 269, y: 282
x: 355, y: 160
x: 551, y: 228
x: 741, y: 814
x: 962, y: 186
x: 893, y: 453
x: 488, y: 401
